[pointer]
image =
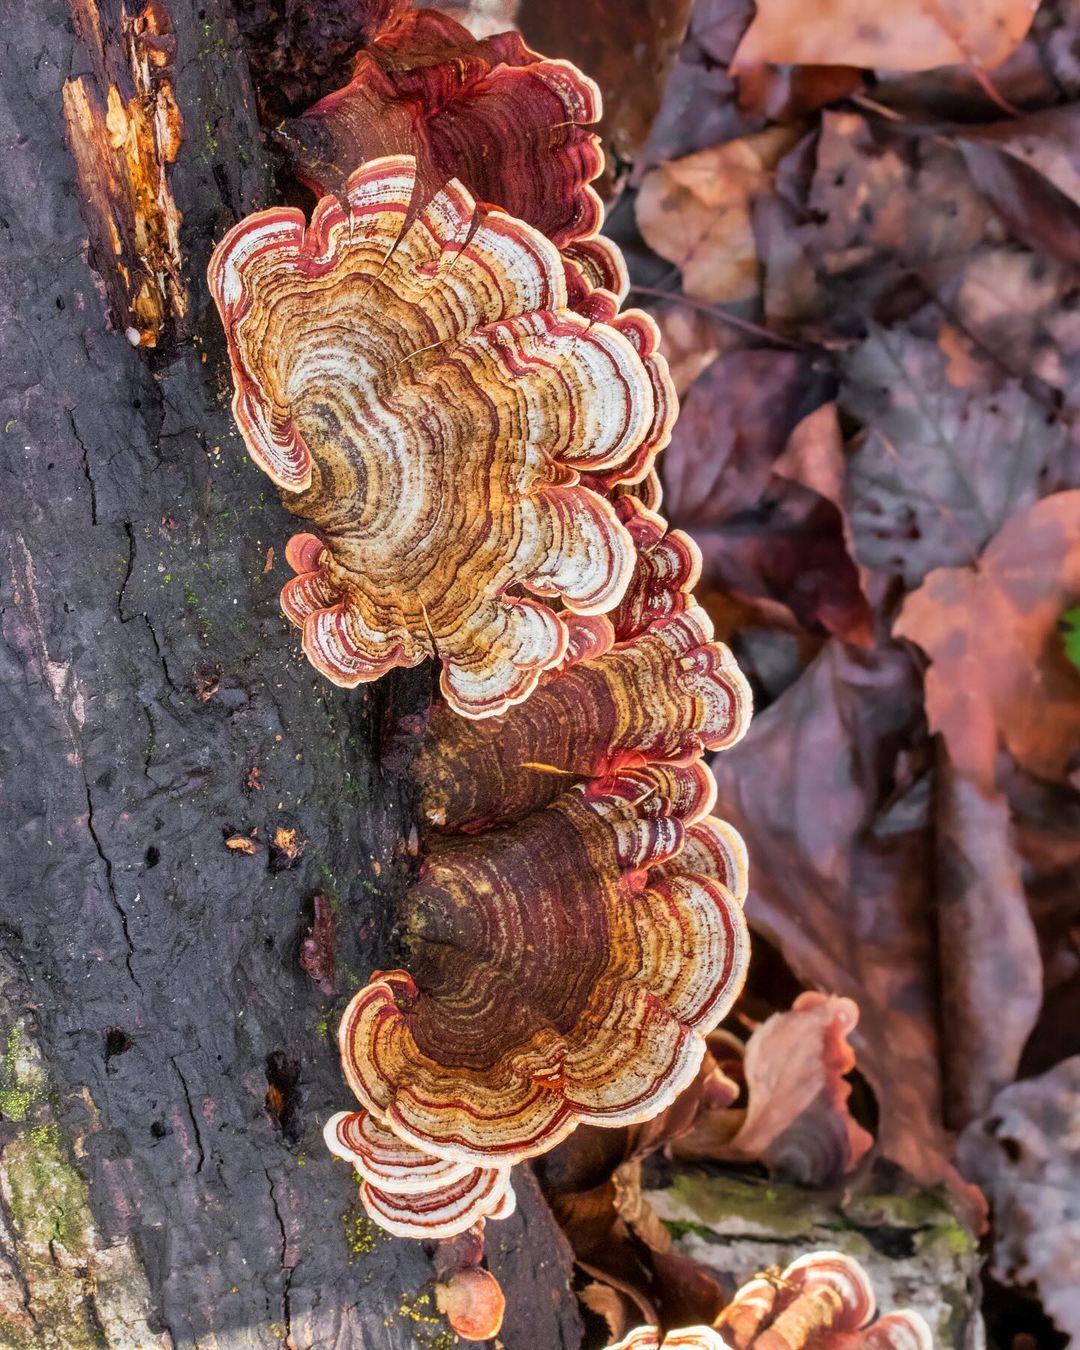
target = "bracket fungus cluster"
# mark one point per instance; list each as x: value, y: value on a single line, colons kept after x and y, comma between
x: 413, y: 379
x: 437, y: 374
x: 823, y: 1299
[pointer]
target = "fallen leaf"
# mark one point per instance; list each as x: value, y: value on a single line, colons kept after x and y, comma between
x: 860, y: 207
x: 1026, y: 1155
x: 268, y: 565
x: 908, y: 35
x: 318, y: 950
x: 797, y: 1120
x: 991, y: 971
x: 840, y: 843
x: 696, y: 213
x: 997, y: 669
x: 734, y: 423
x: 948, y: 454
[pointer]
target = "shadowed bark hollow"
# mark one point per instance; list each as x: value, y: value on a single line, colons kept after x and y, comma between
x: 165, y: 1063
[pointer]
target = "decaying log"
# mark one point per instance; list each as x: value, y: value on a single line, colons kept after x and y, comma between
x: 165, y: 1062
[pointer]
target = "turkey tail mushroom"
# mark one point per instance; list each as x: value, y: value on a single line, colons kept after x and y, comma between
x: 408, y: 371
x: 491, y: 1046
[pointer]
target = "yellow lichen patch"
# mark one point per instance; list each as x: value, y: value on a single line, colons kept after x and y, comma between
x: 124, y: 129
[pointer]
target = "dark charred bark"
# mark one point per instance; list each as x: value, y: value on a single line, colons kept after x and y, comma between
x: 165, y: 1063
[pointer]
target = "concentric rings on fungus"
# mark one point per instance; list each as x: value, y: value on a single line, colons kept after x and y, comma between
x: 414, y: 380
x: 495, y: 1043
x: 410, y: 1193
x: 662, y: 697
x: 509, y: 124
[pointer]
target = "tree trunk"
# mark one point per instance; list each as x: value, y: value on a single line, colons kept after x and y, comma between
x: 165, y: 1063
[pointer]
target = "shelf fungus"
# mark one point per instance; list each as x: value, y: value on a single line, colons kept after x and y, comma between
x: 492, y: 1046
x: 409, y: 372
x: 663, y: 697
x: 823, y: 1299
x: 413, y: 1194
x: 510, y: 125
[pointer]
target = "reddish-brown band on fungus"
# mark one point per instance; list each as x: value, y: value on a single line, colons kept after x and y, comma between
x: 492, y: 1046
x: 664, y: 696
x: 715, y: 849
x: 410, y: 1193
x: 417, y: 384
x: 507, y: 123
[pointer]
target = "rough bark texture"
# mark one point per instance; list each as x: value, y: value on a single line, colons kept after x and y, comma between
x: 165, y: 1064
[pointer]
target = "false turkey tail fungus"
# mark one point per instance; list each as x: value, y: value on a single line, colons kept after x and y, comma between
x: 823, y: 1299
x: 507, y: 123
x: 467, y: 426
x: 413, y: 379
x: 493, y: 1046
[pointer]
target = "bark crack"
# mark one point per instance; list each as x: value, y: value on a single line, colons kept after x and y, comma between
x: 191, y: 1115
x: 287, y: 1271
x: 127, y: 618
x: 86, y: 469
x: 111, y: 885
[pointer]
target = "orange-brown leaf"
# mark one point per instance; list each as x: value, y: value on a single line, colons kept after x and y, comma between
x: 997, y: 672
x: 906, y: 35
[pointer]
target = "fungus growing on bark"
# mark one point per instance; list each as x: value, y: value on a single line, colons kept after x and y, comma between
x: 492, y: 1046
x: 664, y: 696
x: 823, y: 1299
x: 414, y: 381
x: 472, y: 1303
x: 506, y: 122
x: 410, y: 1193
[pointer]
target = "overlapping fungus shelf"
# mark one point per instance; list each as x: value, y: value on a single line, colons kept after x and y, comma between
x: 551, y: 979
x: 823, y: 1299
x: 413, y: 379
x: 509, y: 124
x: 411, y: 1193
x: 664, y: 696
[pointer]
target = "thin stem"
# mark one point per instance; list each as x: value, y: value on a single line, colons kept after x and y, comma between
x: 744, y: 325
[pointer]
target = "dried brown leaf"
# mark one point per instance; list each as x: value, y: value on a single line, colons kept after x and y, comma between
x: 696, y: 213
x: 998, y: 672
x: 908, y: 35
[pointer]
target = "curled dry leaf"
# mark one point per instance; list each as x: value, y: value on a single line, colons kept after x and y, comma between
x: 1025, y: 1153
x: 504, y: 121
x: 696, y: 213
x: 909, y: 35
x: 997, y: 672
x: 797, y: 1120
x: 488, y: 1060
x: 392, y: 366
